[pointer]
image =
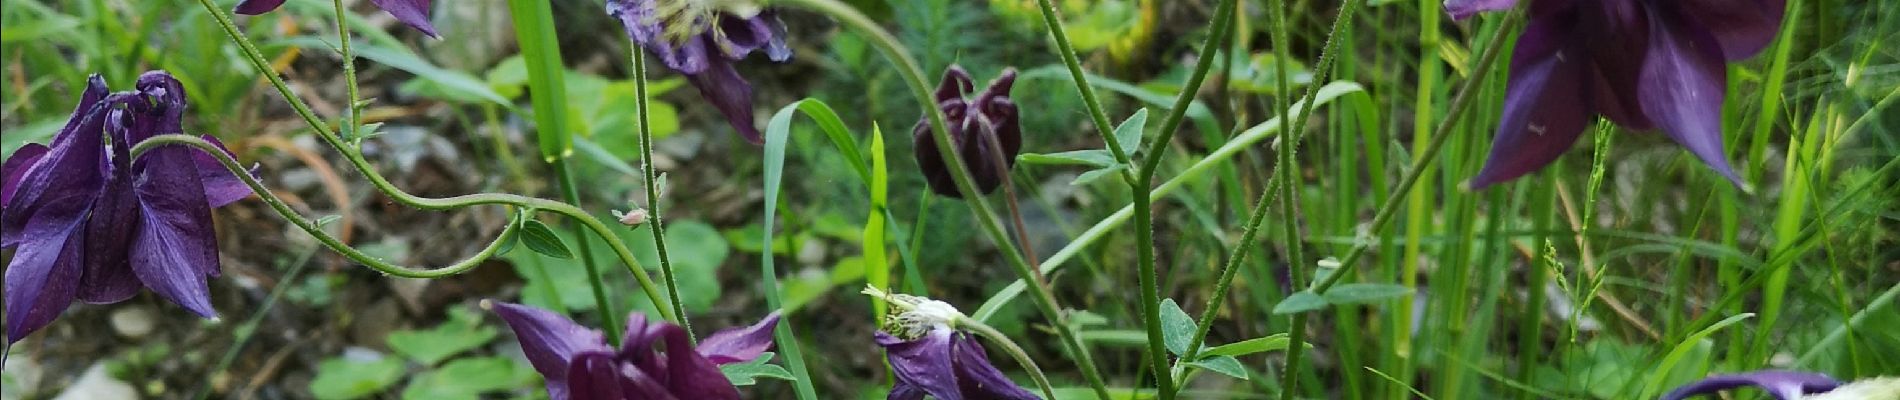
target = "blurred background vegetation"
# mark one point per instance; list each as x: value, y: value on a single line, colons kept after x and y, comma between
x: 1504, y: 299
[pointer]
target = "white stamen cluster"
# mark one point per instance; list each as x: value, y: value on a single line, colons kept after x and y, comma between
x: 911, y: 317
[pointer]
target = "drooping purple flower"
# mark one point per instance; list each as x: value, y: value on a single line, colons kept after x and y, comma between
x: 703, y: 40
x: 931, y: 357
x: 979, y: 127
x: 93, y: 224
x: 1784, y: 385
x: 1644, y: 64
x: 655, y: 360
x: 414, y: 13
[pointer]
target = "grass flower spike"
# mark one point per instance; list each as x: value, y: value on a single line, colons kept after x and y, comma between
x: 1644, y: 64
x: 91, y: 223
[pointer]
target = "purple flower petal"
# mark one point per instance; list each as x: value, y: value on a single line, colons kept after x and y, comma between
x: 956, y: 84
x: 175, y: 249
x: 977, y: 378
x: 684, y: 372
x: 1784, y: 385
x: 736, y: 37
x: 644, y: 27
x: 220, y: 186
x: 722, y: 86
x: 739, y: 344
x: 71, y: 163
x: 904, y: 391
x: 1742, y: 27
x: 926, y: 364
x: 1683, y: 82
x: 415, y: 13
x: 255, y: 7
x: 1542, y: 114
x: 108, y: 276
x: 15, y: 167
x: 44, y: 273
x: 550, y: 341
x: 1461, y: 9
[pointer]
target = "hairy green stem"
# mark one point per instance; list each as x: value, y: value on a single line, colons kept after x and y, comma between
x: 382, y: 184
x: 1103, y: 125
x: 1144, y: 208
x: 354, y: 117
x: 653, y: 190
x: 920, y: 88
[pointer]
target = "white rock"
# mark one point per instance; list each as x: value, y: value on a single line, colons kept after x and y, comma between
x: 97, y: 384
x: 133, y: 322
x: 22, y: 376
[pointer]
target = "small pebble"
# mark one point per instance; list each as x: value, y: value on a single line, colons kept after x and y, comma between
x: 133, y: 322
x: 97, y: 384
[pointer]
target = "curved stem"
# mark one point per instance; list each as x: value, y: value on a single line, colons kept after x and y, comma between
x: 1102, y: 124
x: 262, y: 66
x: 653, y: 191
x: 1016, y: 352
x: 920, y: 88
x: 312, y: 227
x: 1144, y: 208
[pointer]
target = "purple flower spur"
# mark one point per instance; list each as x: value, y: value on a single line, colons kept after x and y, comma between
x: 703, y: 40
x: 1644, y: 64
x: 414, y: 13
x: 91, y: 223
x: 655, y: 359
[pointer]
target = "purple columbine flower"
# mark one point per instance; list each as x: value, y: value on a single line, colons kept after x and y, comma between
x: 932, y: 357
x: 702, y: 39
x: 93, y: 224
x: 1644, y: 64
x: 979, y: 126
x: 1784, y: 385
x: 415, y: 13
x: 655, y: 359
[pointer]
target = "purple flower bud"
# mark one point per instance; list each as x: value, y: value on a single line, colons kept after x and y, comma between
x: 91, y: 223
x: 983, y: 128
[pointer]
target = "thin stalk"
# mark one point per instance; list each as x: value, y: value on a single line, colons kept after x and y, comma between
x: 262, y: 66
x: 913, y: 75
x: 1425, y: 158
x: 1103, y: 125
x: 653, y: 191
x: 355, y: 113
x: 1144, y: 208
x: 1016, y: 352
x: 1230, y: 269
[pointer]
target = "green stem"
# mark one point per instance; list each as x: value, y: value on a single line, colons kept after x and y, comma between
x: 920, y: 88
x: 1144, y: 208
x: 1103, y: 125
x: 355, y: 114
x: 1016, y: 352
x: 262, y: 66
x: 653, y: 191
x: 1467, y: 95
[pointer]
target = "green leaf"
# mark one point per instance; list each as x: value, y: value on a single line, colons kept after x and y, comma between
x: 543, y: 240
x: 1225, y: 365
x: 1177, y: 328
x: 1092, y: 176
x: 1093, y: 158
x: 1128, y: 134
x: 1298, y: 303
x: 469, y: 378
x: 461, y: 333
x: 1361, y: 293
x: 696, y: 249
x: 1274, y: 342
x: 340, y: 378
x: 747, y: 373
